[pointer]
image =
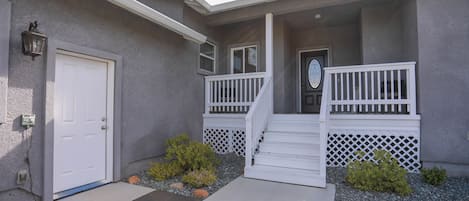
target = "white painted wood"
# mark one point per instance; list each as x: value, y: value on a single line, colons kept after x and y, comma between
x: 228, y: 94
x: 291, y: 137
x: 83, y: 151
x: 287, y: 161
x: 269, y: 44
x: 157, y: 17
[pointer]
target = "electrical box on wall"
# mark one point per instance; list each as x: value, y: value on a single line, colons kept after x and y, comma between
x: 28, y: 120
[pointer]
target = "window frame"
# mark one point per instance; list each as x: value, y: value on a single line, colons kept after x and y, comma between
x: 204, y: 71
x: 244, y: 47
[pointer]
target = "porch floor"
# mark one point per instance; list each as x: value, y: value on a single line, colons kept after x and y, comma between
x: 243, y: 189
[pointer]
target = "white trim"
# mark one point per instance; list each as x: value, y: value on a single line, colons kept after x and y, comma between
x: 148, y: 13
x: 269, y: 44
x: 111, y: 65
x: 212, y: 9
x: 301, y: 51
x: 244, y: 59
x: 214, y: 58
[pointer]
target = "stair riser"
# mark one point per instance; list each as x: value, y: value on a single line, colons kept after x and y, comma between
x: 298, y: 150
x: 289, y: 163
x: 292, y: 128
x: 292, y: 139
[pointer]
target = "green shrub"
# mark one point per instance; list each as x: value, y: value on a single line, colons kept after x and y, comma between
x: 184, y: 155
x: 200, y: 178
x: 383, y: 176
x: 163, y: 171
x: 190, y: 155
x: 434, y: 176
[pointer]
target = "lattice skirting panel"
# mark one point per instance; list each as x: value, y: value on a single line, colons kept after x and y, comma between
x: 404, y: 145
x: 226, y: 140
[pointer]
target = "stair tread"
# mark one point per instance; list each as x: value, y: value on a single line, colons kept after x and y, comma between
x: 304, y: 133
x: 284, y: 155
x: 290, y: 144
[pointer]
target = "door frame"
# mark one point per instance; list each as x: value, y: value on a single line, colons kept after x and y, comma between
x: 114, y: 105
x: 300, y: 51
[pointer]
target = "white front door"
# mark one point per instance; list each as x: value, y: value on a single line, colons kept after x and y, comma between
x: 81, y: 142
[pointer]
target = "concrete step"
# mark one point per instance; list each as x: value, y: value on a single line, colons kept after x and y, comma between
x: 287, y: 161
x: 286, y: 175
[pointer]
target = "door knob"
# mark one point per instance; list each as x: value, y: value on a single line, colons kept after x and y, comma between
x: 104, y: 127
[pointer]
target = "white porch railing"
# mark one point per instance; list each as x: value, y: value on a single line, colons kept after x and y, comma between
x: 257, y: 119
x: 232, y: 93
x: 372, y: 89
x: 381, y: 89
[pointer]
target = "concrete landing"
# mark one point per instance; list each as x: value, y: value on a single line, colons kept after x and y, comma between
x: 111, y: 192
x: 243, y: 189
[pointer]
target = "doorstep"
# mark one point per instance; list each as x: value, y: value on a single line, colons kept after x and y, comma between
x: 111, y: 192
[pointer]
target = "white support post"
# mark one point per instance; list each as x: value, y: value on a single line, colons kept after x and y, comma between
x: 413, y: 91
x: 207, y: 96
x: 269, y: 44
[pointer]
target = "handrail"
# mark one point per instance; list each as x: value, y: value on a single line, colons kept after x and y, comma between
x: 235, y: 76
x: 257, y: 119
x: 368, y: 67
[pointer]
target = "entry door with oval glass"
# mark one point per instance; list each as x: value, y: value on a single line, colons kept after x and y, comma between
x: 312, y: 73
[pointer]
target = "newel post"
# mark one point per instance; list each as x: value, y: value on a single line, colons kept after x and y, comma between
x: 207, y: 96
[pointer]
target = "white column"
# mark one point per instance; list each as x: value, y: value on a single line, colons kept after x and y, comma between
x: 269, y: 44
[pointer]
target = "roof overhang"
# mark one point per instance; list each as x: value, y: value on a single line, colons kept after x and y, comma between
x: 206, y: 8
x: 148, y: 13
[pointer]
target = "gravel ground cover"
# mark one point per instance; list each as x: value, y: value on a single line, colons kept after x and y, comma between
x: 455, y: 189
x: 231, y: 167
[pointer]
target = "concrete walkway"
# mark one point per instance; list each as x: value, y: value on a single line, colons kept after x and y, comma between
x: 111, y: 192
x: 243, y: 189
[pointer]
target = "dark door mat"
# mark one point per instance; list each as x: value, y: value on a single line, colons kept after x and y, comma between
x: 164, y: 196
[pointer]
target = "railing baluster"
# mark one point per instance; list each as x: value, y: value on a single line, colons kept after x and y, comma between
x: 373, y: 90
x: 399, y: 98
x: 348, y: 90
x: 385, y: 79
x: 366, y: 91
x: 360, y: 91
x: 392, y: 90
x: 336, y: 108
x: 354, y: 106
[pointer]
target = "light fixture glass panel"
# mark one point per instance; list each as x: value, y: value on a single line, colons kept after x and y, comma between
x: 251, y: 59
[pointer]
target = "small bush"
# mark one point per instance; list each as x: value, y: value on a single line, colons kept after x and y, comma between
x: 383, y: 176
x: 200, y: 178
x: 163, y: 171
x: 434, y: 176
x: 190, y: 155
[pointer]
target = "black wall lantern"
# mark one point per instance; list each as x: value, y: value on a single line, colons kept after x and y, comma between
x: 33, y: 41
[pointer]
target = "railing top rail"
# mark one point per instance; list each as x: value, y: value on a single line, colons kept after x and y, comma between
x: 371, y: 67
x: 235, y: 76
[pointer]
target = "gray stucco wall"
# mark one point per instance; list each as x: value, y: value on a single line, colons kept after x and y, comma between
x: 240, y: 34
x: 162, y: 93
x: 443, y: 35
x: 381, y: 30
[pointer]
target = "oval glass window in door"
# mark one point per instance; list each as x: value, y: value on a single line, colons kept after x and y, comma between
x: 314, y: 73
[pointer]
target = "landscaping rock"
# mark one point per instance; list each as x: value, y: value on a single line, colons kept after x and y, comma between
x: 231, y: 167
x: 177, y: 186
x: 200, y: 193
x: 134, y: 179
